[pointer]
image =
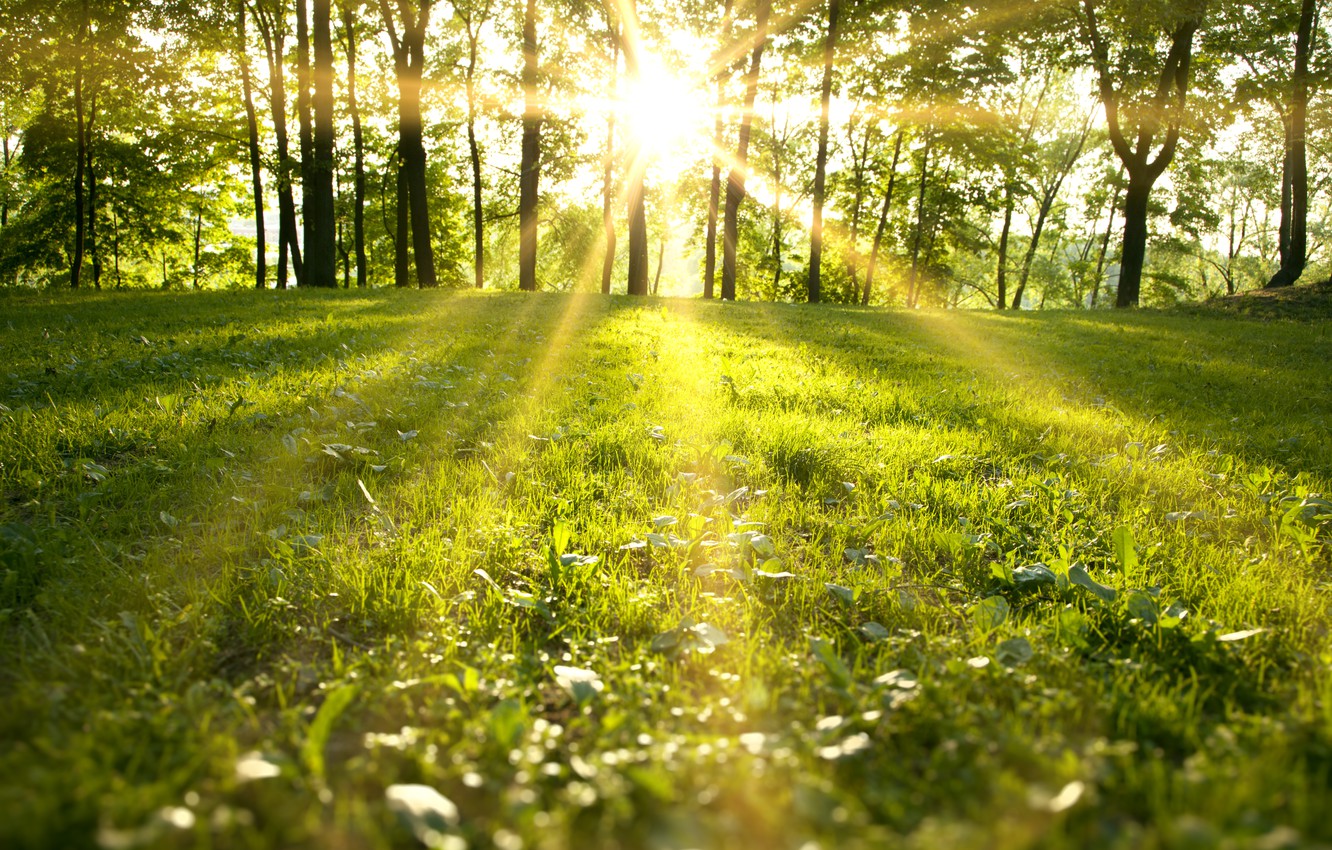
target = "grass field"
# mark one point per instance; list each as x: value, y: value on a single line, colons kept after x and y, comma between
x: 366, y: 570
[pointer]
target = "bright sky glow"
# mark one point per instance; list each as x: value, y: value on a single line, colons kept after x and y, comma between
x: 666, y: 113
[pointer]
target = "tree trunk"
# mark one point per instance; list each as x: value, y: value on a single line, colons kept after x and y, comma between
x: 1071, y: 156
x: 714, y: 188
x: 821, y: 159
x: 735, y: 179
x: 402, y: 232
x: 321, y: 250
x: 198, y: 241
x: 1001, y: 278
x: 4, y: 190
x: 661, y: 258
x: 1169, y: 100
x: 252, y: 142
x: 413, y: 196
x: 91, y: 240
x: 80, y: 153
x: 358, y: 142
x: 608, y: 171
x: 1105, y: 244
x: 883, y: 221
x: 271, y: 31
x: 474, y: 154
x: 920, y: 222
x: 115, y: 245
x: 305, y: 136
x: 1135, y: 240
x: 1295, y: 167
x: 637, y: 164
x: 529, y: 175
x: 777, y: 149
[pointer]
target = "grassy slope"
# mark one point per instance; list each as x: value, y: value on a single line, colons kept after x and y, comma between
x: 189, y: 575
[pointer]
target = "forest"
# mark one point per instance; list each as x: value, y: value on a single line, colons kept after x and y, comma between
x: 1077, y: 153
x: 665, y: 425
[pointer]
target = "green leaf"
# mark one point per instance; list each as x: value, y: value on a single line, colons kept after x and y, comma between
x: 666, y: 641
x: 831, y: 661
x: 508, y: 720
x: 846, y: 595
x: 1077, y: 574
x: 1014, y: 651
x: 317, y: 735
x: 990, y: 613
x: 1143, y: 607
x: 1121, y: 540
x: 874, y: 631
x: 1035, y: 575
x: 560, y: 535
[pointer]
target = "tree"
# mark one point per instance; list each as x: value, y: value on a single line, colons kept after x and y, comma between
x: 1295, y: 165
x: 271, y: 20
x: 735, y: 180
x: 821, y: 159
x: 474, y: 16
x: 883, y: 219
x: 321, y: 249
x: 350, y: 9
x: 529, y: 169
x: 252, y: 145
x: 722, y: 67
x: 635, y: 159
x: 413, y: 193
x: 1152, y: 114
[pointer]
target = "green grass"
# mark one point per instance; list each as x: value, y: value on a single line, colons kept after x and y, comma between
x: 264, y: 557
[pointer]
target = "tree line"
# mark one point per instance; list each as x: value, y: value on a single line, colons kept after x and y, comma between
x: 1012, y: 154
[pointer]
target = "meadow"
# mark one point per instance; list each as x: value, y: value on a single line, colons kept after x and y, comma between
x: 391, y: 568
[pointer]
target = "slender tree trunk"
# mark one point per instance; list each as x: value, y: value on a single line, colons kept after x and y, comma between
x: 305, y: 135
x: 821, y: 159
x: 714, y: 189
x: 80, y: 153
x: 271, y: 29
x: 115, y: 245
x: 252, y: 143
x: 402, y: 233
x: 920, y: 222
x: 636, y: 164
x: 198, y: 241
x: 474, y: 154
x: 883, y: 222
x: 1001, y: 278
x: 358, y: 143
x: 321, y: 249
x: 1295, y: 167
x: 661, y: 258
x: 735, y: 179
x: 529, y: 176
x: 4, y: 191
x: 859, y: 164
x: 608, y: 171
x: 1105, y: 243
x: 413, y: 195
x: 346, y: 256
x: 1071, y: 156
x: 93, y: 253
x: 777, y: 149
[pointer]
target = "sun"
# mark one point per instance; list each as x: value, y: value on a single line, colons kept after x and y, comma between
x: 664, y: 112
